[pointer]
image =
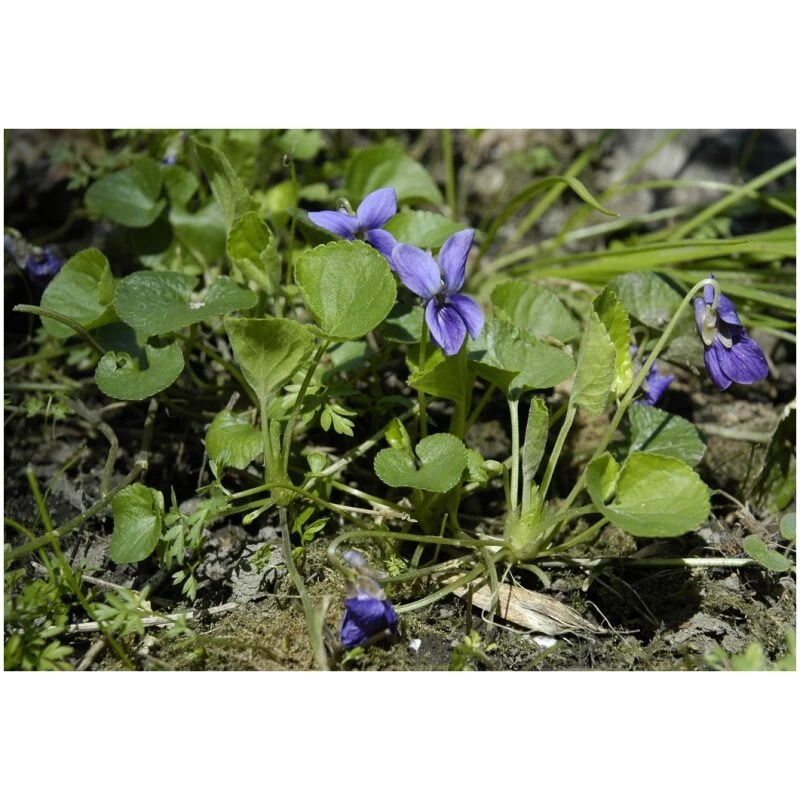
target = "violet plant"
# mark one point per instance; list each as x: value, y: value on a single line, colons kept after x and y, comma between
x: 304, y: 333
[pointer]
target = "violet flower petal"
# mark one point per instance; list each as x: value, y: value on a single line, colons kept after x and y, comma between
x: 446, y: 326
x: 453, y: 259
x: 726, y: 311
x: 708, y: 292
x: 469, y: 311
x: 744, y: 362
x: 654, y: 387
x: 383, y: 242
x: 417, y: 269
x: 715, y: 371
x: 365, y: 616
x: 377, y: 208
x: 339, y: 222
x: 699, y: 313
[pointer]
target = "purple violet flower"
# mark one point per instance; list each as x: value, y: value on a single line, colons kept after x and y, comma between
x: 654, y: 384
x: 367, y: 611
x: 376, y: 209
x: 449, y: 315
x: 731, y: 356
x: 42, y: 266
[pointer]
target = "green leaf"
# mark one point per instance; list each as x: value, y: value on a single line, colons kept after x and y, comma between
x: 230, y: 192
x: 301, y: 145
x: 160, y: 302
x: 442, y: 456
x: 535, y: 437
x: 232, y: 441
x: 201, y: 233
x: 647, y: 296
x: 771, y: 559
x: 605, y: 476
x: 618, y: 326
x: 403, y: 324
x: 534, y: 309
x: 347, y: 286
x: 788, y: 522
x: 515, y: 361
x: 595, y: 372
x: 269, y: 351
x: 776, y: 483
x: 83, y: 291
x: 386, y: 165
x: 120, y: 338
x: 180, y: 184
x: 424, y: 229
x: 138, y: 520
x: 129, y: 197
x: 657, y: 431
x: 441, y: 377
x: 251, y: 247
x: 655, y: 495
x: 119, y: 376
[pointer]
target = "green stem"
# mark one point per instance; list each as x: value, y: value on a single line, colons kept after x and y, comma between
x: 478, y: 410
x: 579, y: 538
x: 70, y: 323
x: 556, y: 453
x: 298, y: 403
x: 317, y: 644
x: 513, y: 410
x: 450, y: 172
x: 423, y: 419
x: 636, y: 563
x: 638, y: 381
x: 443, y: 592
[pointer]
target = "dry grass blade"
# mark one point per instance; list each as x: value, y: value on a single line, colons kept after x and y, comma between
x: 532, y: 610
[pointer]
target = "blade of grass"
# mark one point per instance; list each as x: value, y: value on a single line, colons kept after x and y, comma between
x: 716, y: 208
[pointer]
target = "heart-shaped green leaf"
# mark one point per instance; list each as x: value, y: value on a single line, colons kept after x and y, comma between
x: 232, y: 441
x: 160, y: 302
x: 648, y: 297
x: 442, y: 456
x: 515, y: 361
x: 130, y: 196
x: 654, y: 495
x: 424, y: 229
x: 138, y: 521
x: 771, y: 559
x: 347, y: 286
x: 596, y: 370
x: 83, y: 291
x: 119, y: 376
x: 387, y: 165
x: 251, y: 247
x: 618, y: 326
x: 228, y: 189
x: 534, y: 309
x: 656, y: 431
x: 269, y: 351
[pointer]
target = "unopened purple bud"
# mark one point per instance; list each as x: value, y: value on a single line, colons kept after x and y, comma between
x: 42, y: 266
